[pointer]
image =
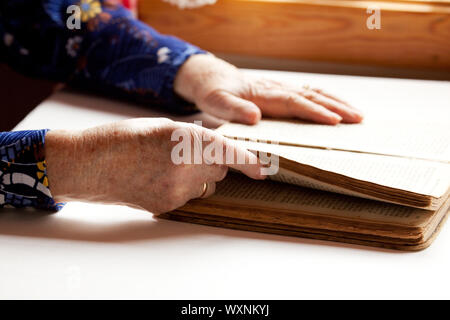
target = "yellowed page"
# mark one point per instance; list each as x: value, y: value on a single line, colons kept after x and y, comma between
x: 240, y: 191
x: 419, y: 176
x: 294, y: 178
x: 409, y: 137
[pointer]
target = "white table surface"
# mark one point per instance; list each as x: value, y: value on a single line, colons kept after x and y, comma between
x: 96, y: 251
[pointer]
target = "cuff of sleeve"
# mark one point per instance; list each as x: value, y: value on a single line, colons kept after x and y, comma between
x: 23, y: 171
x: 174, y: 101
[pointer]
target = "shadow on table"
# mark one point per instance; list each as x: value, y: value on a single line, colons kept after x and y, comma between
x: 90, y: 101
x: 39, y: 224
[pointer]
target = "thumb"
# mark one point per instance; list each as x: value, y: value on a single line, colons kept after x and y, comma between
x: 227, y: 106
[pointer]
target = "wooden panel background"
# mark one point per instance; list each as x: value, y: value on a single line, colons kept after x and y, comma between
x: 412, y: 34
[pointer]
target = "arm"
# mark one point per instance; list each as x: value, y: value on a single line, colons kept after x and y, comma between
x: 129, y: 162
x: 120, y: 56
x: 112, y: 52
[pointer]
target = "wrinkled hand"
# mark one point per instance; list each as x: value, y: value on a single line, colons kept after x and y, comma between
x: 222, y: 90
x: 130, y: 163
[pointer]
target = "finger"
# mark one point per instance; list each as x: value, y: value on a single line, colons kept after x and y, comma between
x: 241, y: 159
x: 224, y: 105
x: 203, y: 190
x: 305, y: 109
x: 329, y: 95
x: 211, y: 172
x: 232, y: 155
x: 285, y: 103
x: 210, y: 190
x: 348, y: 115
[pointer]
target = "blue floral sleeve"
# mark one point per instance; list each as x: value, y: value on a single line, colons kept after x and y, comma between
x: 95, y: 44
x: 23, y: 174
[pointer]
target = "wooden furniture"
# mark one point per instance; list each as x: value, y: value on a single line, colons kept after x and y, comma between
x: 413, y: 34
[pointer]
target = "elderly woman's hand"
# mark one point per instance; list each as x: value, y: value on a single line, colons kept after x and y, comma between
x: 130, y: 162
x: 220, y: 89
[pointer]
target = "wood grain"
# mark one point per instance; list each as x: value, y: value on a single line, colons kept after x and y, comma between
x: 412, y: 34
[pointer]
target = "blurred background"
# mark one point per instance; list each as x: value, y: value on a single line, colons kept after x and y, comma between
x: 401, y: 38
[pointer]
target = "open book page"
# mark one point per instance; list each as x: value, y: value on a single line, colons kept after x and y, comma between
x: 421, y: 139
x: 294, y: 178
x: 418, y: 176
x: 239, y: 191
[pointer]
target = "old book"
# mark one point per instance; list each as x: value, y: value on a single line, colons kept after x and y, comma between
x: 390, y: 163
x: 279, y: 208
x: 383, y: 183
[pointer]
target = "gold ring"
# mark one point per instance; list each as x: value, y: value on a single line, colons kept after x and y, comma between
x: 205, y: 189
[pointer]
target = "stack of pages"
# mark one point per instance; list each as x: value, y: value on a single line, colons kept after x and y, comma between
x: 383, y: 183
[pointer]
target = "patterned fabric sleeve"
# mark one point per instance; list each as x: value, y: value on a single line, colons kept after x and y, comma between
x: 109, y: 51
x: 23, y: 175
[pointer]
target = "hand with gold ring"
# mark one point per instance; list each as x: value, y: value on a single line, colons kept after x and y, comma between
x: 205, y: 189
x: 130, y: 162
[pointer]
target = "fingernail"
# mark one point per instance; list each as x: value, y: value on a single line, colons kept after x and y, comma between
x: 254, y: 116
x: 356, y: 115
x: 360, y: 115
x: 262, y: 176
x: 336, y: 118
